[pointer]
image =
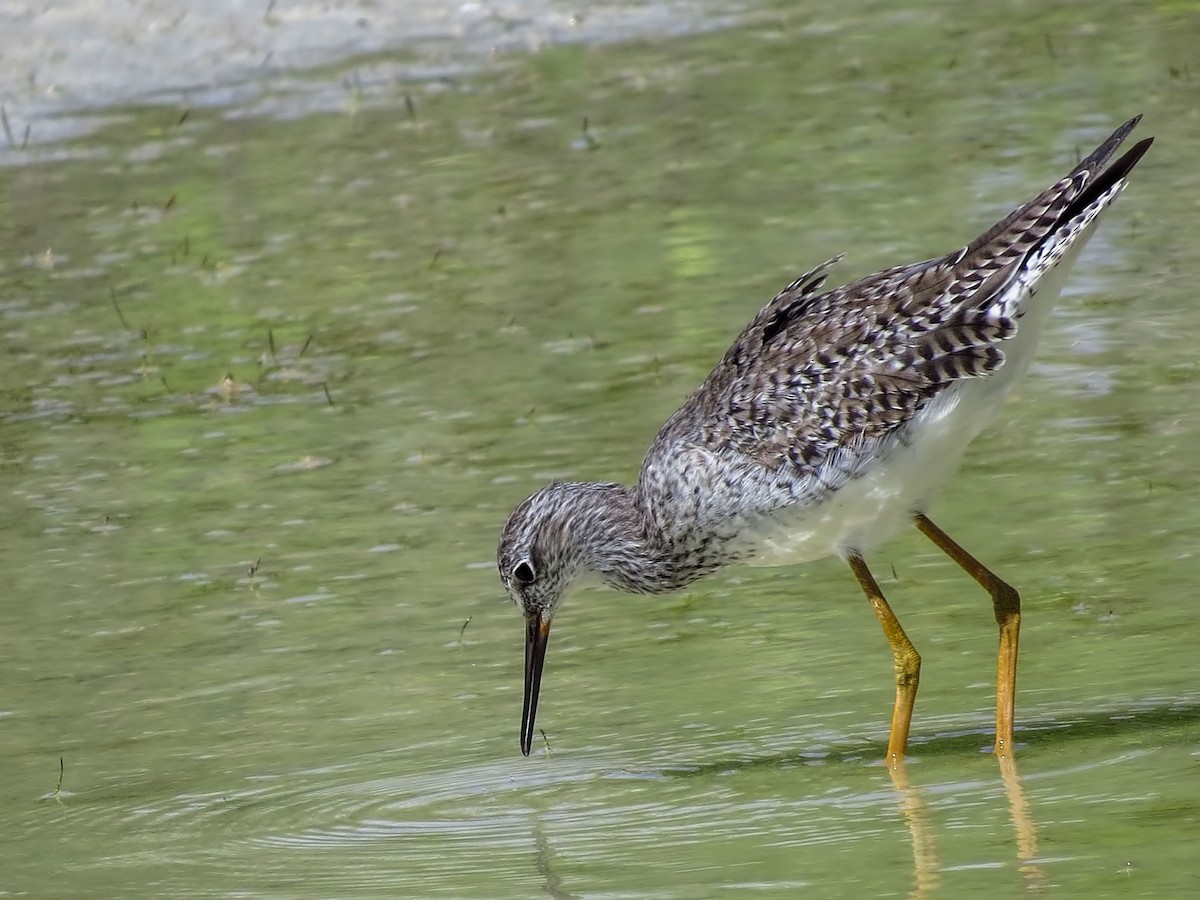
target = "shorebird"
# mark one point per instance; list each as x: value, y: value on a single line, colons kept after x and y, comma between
x: 824, y: 430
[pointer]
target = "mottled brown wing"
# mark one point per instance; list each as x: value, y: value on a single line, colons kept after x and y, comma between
x: 814, y: 372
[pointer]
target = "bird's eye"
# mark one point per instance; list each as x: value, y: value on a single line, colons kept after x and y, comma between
x: 522, y: 572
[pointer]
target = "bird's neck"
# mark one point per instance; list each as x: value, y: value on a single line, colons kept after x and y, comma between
x: 615, y: 539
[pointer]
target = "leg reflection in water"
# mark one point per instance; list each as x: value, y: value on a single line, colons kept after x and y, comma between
x: 1018, y: 805
x: 916, y: 817
x: 924, y: 841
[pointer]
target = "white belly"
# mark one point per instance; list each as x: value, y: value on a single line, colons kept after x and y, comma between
x: 870, y: 508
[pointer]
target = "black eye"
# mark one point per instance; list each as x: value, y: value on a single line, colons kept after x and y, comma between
x: 522, y: 572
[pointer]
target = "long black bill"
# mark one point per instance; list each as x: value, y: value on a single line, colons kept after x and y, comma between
x: 537, y: 635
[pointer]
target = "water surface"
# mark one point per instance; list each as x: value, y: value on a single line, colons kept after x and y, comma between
x: 270, y: 387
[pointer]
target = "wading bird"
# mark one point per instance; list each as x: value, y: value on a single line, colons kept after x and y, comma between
x: 826, y: 428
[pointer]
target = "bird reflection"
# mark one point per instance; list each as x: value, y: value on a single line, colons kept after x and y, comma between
x: 552, y: 885
x: 924, y: 842
x: 916, y: 816
x: 1018, y: 805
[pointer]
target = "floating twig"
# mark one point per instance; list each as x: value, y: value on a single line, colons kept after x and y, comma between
x: 112, y: 293
x: 7, y: 129
x: 590, y: 142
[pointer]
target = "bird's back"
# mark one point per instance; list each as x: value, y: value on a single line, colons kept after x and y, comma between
x: 879, y: 384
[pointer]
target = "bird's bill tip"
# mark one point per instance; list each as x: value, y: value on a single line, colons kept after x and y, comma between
x: 537, y: 636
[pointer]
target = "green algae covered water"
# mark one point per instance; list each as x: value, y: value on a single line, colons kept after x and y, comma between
x: 270, y: 385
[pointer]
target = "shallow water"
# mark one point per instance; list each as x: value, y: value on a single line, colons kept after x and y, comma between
x: 271, y: 387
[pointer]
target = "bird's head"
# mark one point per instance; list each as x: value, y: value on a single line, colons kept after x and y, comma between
x: 537, y: 561
x: 537, y: 557
x: 560, y: 532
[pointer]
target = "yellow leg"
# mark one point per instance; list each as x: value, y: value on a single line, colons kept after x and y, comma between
x: 1007, y: 605
x: 907, y: 661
